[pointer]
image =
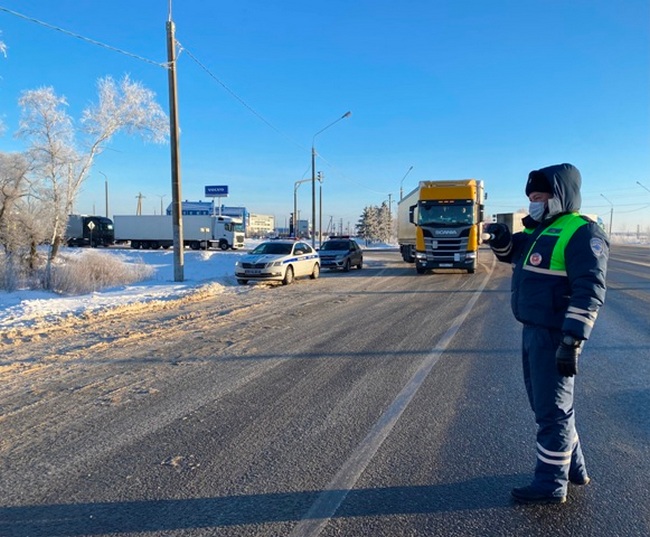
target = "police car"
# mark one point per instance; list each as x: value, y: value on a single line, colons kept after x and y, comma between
x: 278, y: 260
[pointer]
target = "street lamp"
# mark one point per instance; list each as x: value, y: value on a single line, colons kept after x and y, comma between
x: 313, y: 176
x: 646, y: 188
x: 611, y: 215
x: 401, y: 190
x: 295, y: 205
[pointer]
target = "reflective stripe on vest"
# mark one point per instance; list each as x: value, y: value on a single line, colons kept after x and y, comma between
x: 563, y: 228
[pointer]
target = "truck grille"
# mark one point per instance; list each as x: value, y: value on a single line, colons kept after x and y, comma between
x: 443, y: 249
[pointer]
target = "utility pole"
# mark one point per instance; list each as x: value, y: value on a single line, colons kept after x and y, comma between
x: 320, y: 209
x: 138, y: 209
x: 611, y: 215
x: 177, y: 219
x: 106, y: 191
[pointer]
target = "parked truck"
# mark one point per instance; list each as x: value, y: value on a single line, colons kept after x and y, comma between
x: 199, y: 231
x: 93, y: 231
x: 512, y: 220
x: 446, y: 217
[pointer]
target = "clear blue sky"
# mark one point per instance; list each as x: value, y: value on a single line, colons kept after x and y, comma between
x: 454, y: 88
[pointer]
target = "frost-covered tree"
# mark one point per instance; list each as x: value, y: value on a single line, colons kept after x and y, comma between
x: 13, y: 187
x: 3, y: 51
x: 384, y: 224
x: 62, y: 155
x: 375, y: 224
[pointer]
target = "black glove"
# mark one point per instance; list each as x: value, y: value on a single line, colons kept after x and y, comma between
x: 500, y: 235
x: 566, y: 356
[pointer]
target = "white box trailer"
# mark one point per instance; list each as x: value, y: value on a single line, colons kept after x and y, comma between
x: 512, y: 220
x: 199, y: 231
x: 405, y: 228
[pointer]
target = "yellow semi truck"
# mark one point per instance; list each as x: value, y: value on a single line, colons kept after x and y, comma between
x: 439, y: 224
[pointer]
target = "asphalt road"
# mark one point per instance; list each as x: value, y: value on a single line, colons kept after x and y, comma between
x: 376, y: 402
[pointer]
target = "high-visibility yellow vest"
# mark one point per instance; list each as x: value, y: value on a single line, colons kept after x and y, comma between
x: 562, y: 230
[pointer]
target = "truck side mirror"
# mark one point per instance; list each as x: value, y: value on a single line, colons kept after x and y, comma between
x: 412, y: 214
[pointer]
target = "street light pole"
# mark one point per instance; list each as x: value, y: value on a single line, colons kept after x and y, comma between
x: 295, y: 205
x: 611, y: 215
x: 313, y: 176
x: 401, y: 190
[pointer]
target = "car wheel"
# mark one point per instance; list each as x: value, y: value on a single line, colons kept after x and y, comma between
x: 360, y: 265
x: 288, y: 276
x: 315, y: 272
x: 242, y: 282
x: 346, y: 266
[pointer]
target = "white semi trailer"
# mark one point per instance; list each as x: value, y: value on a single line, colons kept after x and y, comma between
x: 199, y: 231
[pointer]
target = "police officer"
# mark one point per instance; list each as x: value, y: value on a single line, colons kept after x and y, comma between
x: 558, y: 287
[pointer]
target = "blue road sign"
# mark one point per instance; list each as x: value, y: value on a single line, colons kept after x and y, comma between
x: 216, y: 191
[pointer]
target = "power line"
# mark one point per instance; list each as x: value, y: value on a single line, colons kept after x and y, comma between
x: 166, y: 66
x: 262, y: 118
x: 239, y: 99
x: 83, y: 38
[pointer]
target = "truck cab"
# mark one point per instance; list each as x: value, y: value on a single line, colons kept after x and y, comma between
x: 447, y: 219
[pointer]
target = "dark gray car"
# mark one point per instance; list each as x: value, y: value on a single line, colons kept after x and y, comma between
x: 341, y: 253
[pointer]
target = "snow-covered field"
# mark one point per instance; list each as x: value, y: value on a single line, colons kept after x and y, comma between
x: 211, y: 271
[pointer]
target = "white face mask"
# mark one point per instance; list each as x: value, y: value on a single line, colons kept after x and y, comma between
x: 536, y: 210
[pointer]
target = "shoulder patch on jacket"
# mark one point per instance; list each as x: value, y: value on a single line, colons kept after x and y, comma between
x: 597, y: 246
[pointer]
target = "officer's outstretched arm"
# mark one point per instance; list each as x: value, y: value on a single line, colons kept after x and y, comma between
x: 500, y: 241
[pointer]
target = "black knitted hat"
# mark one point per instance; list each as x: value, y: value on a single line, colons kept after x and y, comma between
x: 538, y: 182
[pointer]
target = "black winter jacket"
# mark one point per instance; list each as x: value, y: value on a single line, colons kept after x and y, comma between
x: 562, y: 296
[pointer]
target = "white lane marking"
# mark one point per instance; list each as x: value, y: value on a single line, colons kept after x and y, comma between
x: 328, y: 502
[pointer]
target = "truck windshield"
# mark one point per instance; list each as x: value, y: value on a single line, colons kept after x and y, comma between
x: 445, y: 214
x: 231, y: 226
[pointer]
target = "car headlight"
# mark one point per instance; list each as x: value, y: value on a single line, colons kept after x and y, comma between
x: 275, y: 264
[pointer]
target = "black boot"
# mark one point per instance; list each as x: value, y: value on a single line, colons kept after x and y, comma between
x: 531, y: 495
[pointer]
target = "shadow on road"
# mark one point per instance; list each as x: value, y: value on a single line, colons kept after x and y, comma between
x: 193, y: 513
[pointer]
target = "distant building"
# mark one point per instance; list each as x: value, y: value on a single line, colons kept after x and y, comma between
x: 209, y: 207
x: 260, y: 225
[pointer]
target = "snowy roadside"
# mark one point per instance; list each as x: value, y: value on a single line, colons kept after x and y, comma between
x: 204, y: 273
